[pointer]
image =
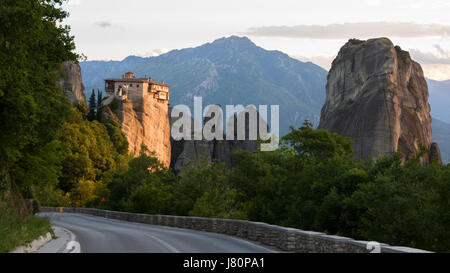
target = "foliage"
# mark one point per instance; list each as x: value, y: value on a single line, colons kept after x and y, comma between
x: 148, y: 187
x: 16, y: 231
x: 32, y: 104
x: 114, y: 106
x: 99, y: 111
x: 312, y: 182
x: 49, y: 152
x: 319, y: 144
x: 116, y: 135
x: 206, y: 191
x: 144, y: 187
x: 90, y: 151
x: 92, y: 107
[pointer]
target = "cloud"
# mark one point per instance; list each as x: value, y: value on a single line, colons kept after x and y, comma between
x: 352, y: 30
x: 440, y: 57
x: 373, y: 3
x: 438, y: 72
x: 153, y: 53
x: 74, y: 2
x: 103, y: 24
x: 442, y: 51
x: 435, y: 65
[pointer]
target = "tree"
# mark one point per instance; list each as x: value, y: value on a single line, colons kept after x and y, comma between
x: 318, y: 143
x: 92, y: 107
x: 88, y: 155
x: 99, y: 106
x: 32, y: 104
x: 145, y: 186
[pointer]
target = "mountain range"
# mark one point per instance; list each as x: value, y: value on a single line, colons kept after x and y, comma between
x: 233, y: 70
x: 228, y: 71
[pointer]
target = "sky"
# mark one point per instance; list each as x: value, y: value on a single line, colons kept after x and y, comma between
x: 306, y: 30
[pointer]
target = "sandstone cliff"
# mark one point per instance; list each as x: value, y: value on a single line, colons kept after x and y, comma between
x: 146, y: 123
x: 378, y: 96
x: 188, y: 153
x: 72, y: 83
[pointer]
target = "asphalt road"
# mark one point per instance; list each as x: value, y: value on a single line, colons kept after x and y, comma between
x: 101, y: 235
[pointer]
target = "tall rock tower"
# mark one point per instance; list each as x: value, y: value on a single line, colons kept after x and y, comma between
x: 72, y: 82
x: 378, y: 96
x: 143, y: 106
x: 186, y: 152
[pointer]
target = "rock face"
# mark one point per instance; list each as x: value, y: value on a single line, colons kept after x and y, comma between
x: 146, y: 123
x: 187, y: 153
x: 72, y: 84
x: 378, y: 96
x: 435, y: 153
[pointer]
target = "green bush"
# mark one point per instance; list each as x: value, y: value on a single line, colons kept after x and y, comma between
x: 15, y: 231
x: 114, y: 106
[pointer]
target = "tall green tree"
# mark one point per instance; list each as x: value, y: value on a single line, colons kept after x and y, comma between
x: 99, y: 113
x: 33, y: 45
x: 92, y: 107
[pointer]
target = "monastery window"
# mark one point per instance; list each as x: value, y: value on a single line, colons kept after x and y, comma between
x: 162, y: 95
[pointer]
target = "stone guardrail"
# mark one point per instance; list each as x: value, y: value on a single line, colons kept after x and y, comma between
x: 285, y: 239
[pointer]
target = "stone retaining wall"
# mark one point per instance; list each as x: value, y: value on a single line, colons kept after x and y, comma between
x: 285, y: 239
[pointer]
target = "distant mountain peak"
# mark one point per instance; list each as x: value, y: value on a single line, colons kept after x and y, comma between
x: 131, y: 59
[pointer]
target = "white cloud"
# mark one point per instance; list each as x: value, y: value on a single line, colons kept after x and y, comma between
x: 153, y: 53
x: 435, y: 65
x: 353, y: 30
x: 103, y: 24
x: 373, y: 3
x: 438, y: 72
x: 440, y: 57
x: 74, y: 2
x: 442, y: 51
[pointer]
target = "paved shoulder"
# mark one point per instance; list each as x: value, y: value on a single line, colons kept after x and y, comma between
x: 62, y: 242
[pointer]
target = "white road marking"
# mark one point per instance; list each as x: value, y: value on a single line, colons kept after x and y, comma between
x: 73, y: 247
x: 171, y: 248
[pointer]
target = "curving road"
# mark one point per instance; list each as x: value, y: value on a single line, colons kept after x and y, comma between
x: 100, y: 235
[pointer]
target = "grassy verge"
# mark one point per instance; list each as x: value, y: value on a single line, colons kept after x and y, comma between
x: 16, y: 232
